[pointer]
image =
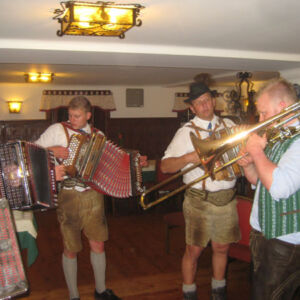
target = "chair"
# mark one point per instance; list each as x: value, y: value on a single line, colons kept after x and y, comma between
x: 167, y: 188
x: 172, y: 220
x: 175, y: 218
x: 241, y: 250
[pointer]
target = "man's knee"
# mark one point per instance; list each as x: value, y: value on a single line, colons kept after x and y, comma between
x: 220, y: 248
x: 97, y: 247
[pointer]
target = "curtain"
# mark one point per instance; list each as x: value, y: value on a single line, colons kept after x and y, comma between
x: 53, y: 99
x: 179, y: 104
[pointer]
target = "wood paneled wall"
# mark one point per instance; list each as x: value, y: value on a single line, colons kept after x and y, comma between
x: 27, y: 130
x: 150, y: 136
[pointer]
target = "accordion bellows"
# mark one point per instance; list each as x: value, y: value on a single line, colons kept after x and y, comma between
x: 27, y: 175
x: 104, y: 166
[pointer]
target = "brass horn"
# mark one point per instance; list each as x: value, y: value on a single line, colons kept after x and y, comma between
x: 214, y: 148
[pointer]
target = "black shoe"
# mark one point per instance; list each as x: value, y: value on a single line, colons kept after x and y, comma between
x: 190, y: 296
x: 219, y: 294
x: 75, y: 299
x: 106, y: 295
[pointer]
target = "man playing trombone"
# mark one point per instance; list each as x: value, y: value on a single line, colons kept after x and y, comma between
x: 209, y: 206
x: 275, y: 216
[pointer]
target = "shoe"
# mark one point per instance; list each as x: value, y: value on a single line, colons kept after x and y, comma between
x: 106, y: 295
x: 75, y: 299
x: 190, y: 296
x: 219, y: 294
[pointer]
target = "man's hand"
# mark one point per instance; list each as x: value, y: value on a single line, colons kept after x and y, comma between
x: 143, y: 161
x: 60, y: 152
x: 256, y: 144
x: 60, y: 172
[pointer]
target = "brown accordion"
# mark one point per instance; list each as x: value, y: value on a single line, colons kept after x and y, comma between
x: 13, y: 281
x: 27, y: 176
x: 104, y: 166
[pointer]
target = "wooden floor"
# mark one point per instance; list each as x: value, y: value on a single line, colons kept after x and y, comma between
x: 138, y: 267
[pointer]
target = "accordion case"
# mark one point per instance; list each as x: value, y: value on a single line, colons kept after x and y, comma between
x: 13, y: 280
x: 27, y: 176
x: 104, y: 166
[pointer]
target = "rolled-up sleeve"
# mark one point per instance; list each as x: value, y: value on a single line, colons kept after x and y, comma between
x: 53, y: 136
x: 286, y: 176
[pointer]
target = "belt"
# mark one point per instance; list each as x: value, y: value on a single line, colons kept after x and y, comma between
x: 219, y: 198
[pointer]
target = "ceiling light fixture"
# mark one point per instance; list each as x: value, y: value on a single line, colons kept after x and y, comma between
x: 97, y: 19
x: 39, y: 77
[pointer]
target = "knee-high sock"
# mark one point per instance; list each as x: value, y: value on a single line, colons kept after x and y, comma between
x: 98, y: 261
x: 218, y: 283
x: 70, y: 271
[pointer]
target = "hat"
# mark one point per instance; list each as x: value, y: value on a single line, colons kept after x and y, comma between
x: 197, y: 89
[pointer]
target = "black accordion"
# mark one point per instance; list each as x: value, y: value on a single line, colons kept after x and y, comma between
x: 27, y: 176
x: 104, y: 166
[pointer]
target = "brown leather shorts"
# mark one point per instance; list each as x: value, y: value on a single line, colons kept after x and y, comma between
x: 81, y: 211
x: 206, y: 221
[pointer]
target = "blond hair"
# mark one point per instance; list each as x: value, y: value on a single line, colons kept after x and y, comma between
x: 279, y: 90
x: 80, y: 102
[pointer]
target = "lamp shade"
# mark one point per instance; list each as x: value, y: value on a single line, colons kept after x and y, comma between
x: 97, y: 19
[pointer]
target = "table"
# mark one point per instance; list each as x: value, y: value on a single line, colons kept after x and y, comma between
x: 26, y: 233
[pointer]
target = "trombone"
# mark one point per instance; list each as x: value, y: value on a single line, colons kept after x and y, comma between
x: 213, y: 149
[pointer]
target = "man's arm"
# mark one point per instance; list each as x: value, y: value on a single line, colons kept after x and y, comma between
x: 174, y: 164
x: 264, y: 167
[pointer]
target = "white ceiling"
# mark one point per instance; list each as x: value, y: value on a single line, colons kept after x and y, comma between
x: 178, y: 39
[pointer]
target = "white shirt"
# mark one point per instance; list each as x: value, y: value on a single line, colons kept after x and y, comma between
x: 55, y: 135
x: 181, y: 144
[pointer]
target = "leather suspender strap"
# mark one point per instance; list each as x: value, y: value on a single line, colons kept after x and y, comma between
x: 66, y: 132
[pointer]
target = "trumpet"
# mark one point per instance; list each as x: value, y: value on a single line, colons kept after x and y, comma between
x: 211, y: 150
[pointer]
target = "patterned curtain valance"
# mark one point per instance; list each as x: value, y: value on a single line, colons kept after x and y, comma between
x: 179, y: 105
x: 53, y: 99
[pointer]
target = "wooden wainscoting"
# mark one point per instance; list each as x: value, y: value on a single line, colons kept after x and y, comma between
x: 150, y: 136
x: 27, y: 130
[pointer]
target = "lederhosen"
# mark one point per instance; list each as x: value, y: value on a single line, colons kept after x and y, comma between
x: 210, y: 215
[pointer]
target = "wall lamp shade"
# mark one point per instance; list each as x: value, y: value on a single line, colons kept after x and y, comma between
x: 97, y: 19
x: 39, y: 77
x: 14, y: 106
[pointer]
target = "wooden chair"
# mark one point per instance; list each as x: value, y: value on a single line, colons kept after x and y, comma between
x: 172, y: 220
x: 241, y: 250
x: 175, y: 202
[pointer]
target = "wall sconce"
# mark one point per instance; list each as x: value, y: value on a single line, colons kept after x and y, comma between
x: 97, y: 19
x: 14, y: 106
x: 39, y: 77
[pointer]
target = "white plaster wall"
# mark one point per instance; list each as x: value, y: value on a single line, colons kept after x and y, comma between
x: 158, y: 101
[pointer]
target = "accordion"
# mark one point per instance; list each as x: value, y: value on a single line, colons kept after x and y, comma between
x: 104, y: 166
x: 27, y: 176
x: 13, y: 280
